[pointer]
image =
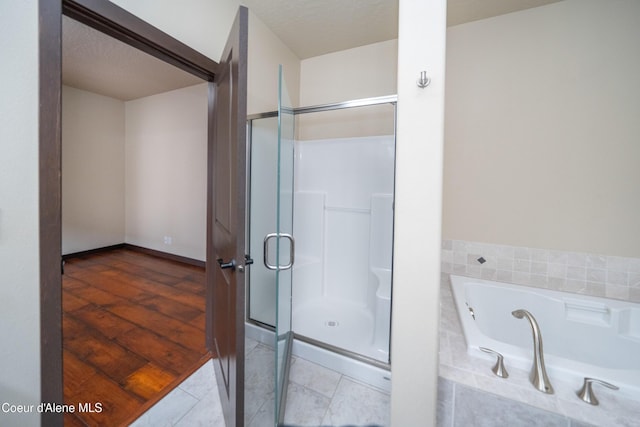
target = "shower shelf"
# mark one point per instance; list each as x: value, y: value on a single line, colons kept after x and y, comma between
x: 347, y: 209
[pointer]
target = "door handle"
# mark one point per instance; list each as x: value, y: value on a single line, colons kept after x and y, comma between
x: 231, y: 264
x: 292, y: 251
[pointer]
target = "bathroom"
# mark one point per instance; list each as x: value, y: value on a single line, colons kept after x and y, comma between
x: 576, y: 210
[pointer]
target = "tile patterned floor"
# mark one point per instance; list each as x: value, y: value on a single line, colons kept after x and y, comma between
x: 195, y: 402
x: 317, y: 396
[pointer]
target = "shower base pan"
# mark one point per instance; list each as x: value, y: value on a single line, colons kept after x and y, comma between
x: 340, y: 324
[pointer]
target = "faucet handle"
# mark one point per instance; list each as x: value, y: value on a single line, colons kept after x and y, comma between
x: 586, y: 392
x: 498, y: 368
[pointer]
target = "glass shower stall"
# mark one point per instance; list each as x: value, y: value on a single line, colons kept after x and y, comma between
x: 321, y: 193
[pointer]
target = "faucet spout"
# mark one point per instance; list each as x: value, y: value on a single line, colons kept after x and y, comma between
x: 538, y: 376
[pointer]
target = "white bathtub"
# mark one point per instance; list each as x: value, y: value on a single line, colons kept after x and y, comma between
x: 582, y: 336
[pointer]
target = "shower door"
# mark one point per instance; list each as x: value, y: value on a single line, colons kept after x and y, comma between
x: 271, y: 240
x: 284, y: 244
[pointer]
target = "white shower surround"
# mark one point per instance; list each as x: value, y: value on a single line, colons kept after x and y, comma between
x: 343, y: 221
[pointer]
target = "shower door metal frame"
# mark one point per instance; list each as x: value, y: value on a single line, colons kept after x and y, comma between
x: 364, y: 102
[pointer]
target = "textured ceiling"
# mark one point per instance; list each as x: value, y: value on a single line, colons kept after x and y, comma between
x: 312, y: 27
x: 101, y: 64
x: 315, y: 27
x: 98, y: 63
x: 461, y: 11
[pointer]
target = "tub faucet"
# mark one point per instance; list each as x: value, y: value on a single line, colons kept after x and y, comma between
x: 538, y: 376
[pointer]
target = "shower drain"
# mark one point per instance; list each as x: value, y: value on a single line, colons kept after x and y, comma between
x: 331, y: 323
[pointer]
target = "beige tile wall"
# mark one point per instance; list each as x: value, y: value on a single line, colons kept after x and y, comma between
x: 582, y: 273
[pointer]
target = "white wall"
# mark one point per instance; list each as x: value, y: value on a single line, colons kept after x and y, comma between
x: 19, y: 252
x: 362, y: 72
x: 266, y: 52
x: 166, y: 171
x: 418, y: 204
x: 542, y: 128
x: 93, y: 137
x: 161, y: 191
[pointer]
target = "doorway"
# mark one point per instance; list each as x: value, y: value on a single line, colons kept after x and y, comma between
x: 134, y: 145
x: 112, y: 20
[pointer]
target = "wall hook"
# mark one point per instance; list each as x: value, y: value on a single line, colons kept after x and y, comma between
x: 423, y: 81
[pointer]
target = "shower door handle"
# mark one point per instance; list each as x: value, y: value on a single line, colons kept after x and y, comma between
x: 292, y: 251
x: 265, y: 246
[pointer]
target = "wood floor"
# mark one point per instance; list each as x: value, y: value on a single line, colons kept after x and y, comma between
x: 133, y: 329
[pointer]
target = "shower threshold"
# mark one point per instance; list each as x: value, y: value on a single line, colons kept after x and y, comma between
x: 361, y: 368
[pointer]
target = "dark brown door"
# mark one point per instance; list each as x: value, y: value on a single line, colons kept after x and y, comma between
x: 226, y: 221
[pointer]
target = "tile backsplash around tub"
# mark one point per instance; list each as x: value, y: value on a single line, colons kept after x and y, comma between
x: 589, y: 274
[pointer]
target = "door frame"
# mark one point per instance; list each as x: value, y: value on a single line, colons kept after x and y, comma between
x: 110, y: 19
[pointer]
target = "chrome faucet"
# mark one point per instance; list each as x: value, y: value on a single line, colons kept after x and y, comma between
x: 538, y: 376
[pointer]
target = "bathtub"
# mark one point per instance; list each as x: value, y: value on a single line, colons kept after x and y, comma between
x: 582, y: 336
